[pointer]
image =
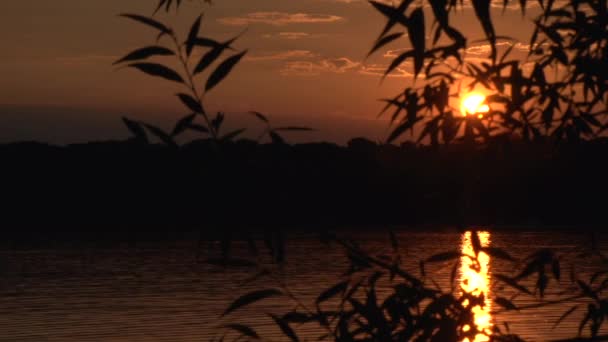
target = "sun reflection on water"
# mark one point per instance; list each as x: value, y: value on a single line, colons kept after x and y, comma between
x: 475, y: 279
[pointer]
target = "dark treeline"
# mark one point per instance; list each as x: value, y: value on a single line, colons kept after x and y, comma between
x: 117, y: 185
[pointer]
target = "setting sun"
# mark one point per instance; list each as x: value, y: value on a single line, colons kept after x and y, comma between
x: 473, y: 103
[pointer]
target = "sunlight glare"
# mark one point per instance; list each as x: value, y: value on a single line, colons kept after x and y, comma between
x: 473, y: 103
x: 477, y: 282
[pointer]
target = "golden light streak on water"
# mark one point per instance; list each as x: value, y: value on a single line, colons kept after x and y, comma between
x: 475, y: 279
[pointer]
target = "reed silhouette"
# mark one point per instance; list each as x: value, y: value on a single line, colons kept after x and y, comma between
x: 540, y: 143
x: 569, y: 40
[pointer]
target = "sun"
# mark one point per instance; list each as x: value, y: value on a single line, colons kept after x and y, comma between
x: 473, y: 104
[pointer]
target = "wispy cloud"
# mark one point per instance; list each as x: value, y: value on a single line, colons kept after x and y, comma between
x: 291, y: 35
x: 279, y: 18
x: 283, y: 55
x: 380, y: 69
x: 312, y: 68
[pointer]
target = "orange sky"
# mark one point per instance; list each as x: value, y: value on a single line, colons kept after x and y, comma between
x: 306, y: 66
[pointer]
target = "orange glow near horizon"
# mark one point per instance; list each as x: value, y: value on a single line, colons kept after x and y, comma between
x: 472, y: 104
x: 477, y: 282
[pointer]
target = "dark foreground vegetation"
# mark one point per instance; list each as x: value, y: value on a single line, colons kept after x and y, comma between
x: 113, y: 185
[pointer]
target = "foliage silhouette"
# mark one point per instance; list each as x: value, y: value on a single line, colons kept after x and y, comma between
x: 192, y: 97
x: 412, y: 308
x: 559, y: 92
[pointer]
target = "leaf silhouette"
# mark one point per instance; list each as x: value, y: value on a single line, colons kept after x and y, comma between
x: 385, y: 40
x: 260, y: 116
x: 190, y: 43
x: 150, y: 22
x: 445, y: 256
x: 162, y: 135
x: 293, y: 128
x: 183, y: 124
x: 332, y: 291
x: 505, y: 303
x: 223, y: 70
x: 232, y: 135
x: 416, y: 30
x: 398, y: 61
x: 564, y: 315
x: 404, y: 126
x: 243, y: 329
x: 136, y: 129
x: 206, y: 42
x: 511, y: 282
x: 285, y: 328
x: 213, y: 54
x: 190, y: 102
x: 144, y: 53
x: 276, y: 138
x: 158, y: 70
x: 198, y: 128
x: 482, y: 11
x: 394, y: 15
x: 251, y: 298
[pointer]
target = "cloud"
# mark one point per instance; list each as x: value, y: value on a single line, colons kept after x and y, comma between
x: 283, y: 55
x: 279, y: 19
x: 485, y: 49
x: 288, y: 35
x: 310, y: 68
x: 379, y: 69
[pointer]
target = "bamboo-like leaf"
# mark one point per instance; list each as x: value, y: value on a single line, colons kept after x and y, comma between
x: 297, y: 317
x: 260, y: 116
x: 190, y: 102
x: 198, y: 128
x: 243, y: 330
x: 555, y: 267
x: 217, y: 122
x: 482, y: 11
x: 587, y: 290
x: 162, y: 135
x: 285, y: 328
x: 136, y: 129
x: 445, y: 256
x: 385, y: 40
x: 183, y: 124
x: 505, y: 303
x: 148, y: 21
x: 206, y: 42
x: 475, y: 242
x: 404, y: 126
x: 394, y: 15
x: 276, y: 138
x: 190, y: 43
x: 213, y: 54
x: 223, y: 70
x: 416, y: 30
x: 293, y: 128
x: 564, y: 315
x: 144, y: 53
x: 158, y: 70
x: 512, y: 283
x: 332, y: 291
x: 398, y: 60
x: 233, y: 134
x: 250, y: 298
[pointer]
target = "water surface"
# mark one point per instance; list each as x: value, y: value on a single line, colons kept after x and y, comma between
x: 163, y: 291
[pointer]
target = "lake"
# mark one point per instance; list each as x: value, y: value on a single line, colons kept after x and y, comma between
x: 164, y: 291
